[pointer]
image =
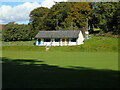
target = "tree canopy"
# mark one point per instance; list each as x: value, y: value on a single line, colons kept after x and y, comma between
x: 105, y: 16
x: 61, y: 16
x: 74, y: 15
x: 15, y: 32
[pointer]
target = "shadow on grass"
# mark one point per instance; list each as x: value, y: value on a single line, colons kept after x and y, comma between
x: 17, y: 75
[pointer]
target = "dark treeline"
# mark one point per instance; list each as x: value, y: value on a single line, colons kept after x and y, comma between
x: 66, y: 16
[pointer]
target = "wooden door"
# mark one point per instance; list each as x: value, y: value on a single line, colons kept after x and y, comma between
x: 63, y: 41
x: 67, y: 40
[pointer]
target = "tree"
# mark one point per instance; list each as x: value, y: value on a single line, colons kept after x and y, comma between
x: 114, y: 24
x: 104, y: 15
x: 62, y: 15
x: 15, y: 32
x: 57, y: 15
x: 70, y: 15
x: 79, y: 14
x: 38, y: 20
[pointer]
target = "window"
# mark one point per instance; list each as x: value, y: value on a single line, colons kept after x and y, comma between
x: 67, y: 40
x: 57, y: 40
x: 39, y: 40
x: 46, y: 40
x: 73, y: 40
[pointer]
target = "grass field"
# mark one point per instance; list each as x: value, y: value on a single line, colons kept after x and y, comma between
x: 32, y: 69
x: 92, y: 65
x: 66, y: 59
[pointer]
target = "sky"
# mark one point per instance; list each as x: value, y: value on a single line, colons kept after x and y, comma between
x: 18, y: 10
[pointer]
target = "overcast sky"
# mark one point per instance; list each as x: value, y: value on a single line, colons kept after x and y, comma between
x: 19, y: 10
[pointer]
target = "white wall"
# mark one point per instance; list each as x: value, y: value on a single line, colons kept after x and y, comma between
x: 80, y: 39
x: 57, y: 43
x: 37, y: 42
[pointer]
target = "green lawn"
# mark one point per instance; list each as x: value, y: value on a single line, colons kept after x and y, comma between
x: 99, y: 60
x: 91, y: 65
x: 35, y: 69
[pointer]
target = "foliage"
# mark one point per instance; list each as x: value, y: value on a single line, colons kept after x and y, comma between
x: 105, y: 16
x: 61, y: 15
x: 79, y: 14
x: 74, y: 15
x: 38, y: 20
x: 57, y: 15
x: 15, y: 32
